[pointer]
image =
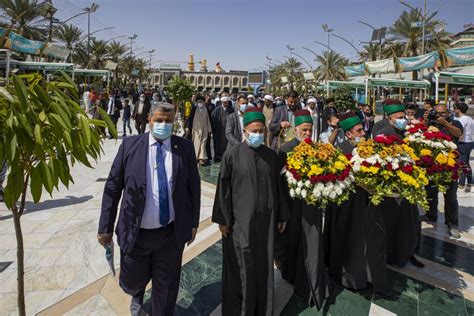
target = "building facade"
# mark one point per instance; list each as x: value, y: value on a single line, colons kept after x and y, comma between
x: 231, y: 81
x: 464, y: 38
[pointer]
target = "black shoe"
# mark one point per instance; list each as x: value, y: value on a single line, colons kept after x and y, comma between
x: 386, y: 294
x: 416, y: 262
x: 1, y: 196
x: 428, y: 219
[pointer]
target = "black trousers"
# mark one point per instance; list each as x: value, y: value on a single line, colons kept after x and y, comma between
x: 156, y: 256
x: 140, y: 126
x: 451, y: 205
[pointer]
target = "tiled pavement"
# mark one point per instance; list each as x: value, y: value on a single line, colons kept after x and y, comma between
x: 66, y: 272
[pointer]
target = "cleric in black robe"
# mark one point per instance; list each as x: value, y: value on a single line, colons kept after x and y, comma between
x: 249, y: 207
x: 354, y: 236
x: 218, y: 123
x: 299, y: 248
x: 401, y: 219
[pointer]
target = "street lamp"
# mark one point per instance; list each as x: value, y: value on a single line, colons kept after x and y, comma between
x: 327, y: 30
x: 88, y: 36
x: 345, y: 40
x: 291, y: 49
x: 89, y: 10
x: 131, y: 38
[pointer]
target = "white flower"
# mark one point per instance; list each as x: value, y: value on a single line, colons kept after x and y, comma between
x: 292, y: 193
x: 307, y: 184
x: 300, y: 184
x: 332, y: 195
x: 317, y: 193
x: 298, y: 191
x: 304, y: 193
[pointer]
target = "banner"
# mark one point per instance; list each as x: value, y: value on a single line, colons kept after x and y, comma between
x: 56, y: 51
x: 23, y: 45
x: 354, y: 71
x: 110, y: 65
x: 460, y: 56
x: 418, y: 62
x: 308, y: 76
x: 380, y: 66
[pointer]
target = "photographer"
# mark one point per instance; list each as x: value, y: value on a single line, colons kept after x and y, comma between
x: 439, y: 117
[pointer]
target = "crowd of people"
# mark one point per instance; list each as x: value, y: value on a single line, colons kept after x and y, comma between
x: 262, y: 226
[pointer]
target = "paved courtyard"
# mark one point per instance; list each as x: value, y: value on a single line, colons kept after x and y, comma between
x: 66, y: 271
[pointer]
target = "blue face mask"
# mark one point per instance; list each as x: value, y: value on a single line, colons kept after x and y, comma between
x: 243, y: 107
x: 254, y: 140
x: 357, y: 139
x: 162, y: 131
x: 401, y: 123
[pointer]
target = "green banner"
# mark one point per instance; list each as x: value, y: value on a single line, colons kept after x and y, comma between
x: 460, y: 56
x: 354, y: 71
x: 418, y: 62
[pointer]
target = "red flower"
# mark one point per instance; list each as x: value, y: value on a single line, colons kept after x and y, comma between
x: 308, y: 140
x: 380, y: 139
x: 365, y: 164
x: 389, y: 166
x: 348, y: 156
x: 394, y: 139
x: 407, y: 169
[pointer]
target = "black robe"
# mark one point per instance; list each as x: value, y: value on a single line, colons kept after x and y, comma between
x: 218, y: 123
x: 402, y: 221
x: 354, y: 240
x: 249, y: 199
x: 299, y: 247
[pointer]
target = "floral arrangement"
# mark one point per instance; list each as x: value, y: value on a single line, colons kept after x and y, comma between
x: 387, y: 167
x: 319, y: 174
x: 438, y: 154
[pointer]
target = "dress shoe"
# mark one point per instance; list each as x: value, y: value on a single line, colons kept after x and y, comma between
x: 416, y: 262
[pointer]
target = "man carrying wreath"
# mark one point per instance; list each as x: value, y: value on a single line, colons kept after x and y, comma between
x: 300, y: 255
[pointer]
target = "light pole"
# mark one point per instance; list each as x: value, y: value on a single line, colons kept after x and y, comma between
x: 291, y: 49
x: 327, y: 30
x: 352, y: 45
x: 131, y: 38
x: 89, y: 10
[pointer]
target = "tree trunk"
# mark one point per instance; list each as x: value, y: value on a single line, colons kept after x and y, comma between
x: 20, y: 256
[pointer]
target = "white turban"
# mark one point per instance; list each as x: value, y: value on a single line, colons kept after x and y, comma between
x: 312, y: 100
x: 250, y: 96
x: 225, y: 99
x: 268, y: 97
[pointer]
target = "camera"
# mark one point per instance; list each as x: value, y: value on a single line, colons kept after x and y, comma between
x: 432, y: 116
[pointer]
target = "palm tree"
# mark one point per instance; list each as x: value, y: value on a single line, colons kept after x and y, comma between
x: 24, y: 17
x: 116, y: 50
x: 292, y: 70
x: 70, y: 36
x: 331, y: 66
x: 369, y: 52
x: 98, y: 53
x: 403, y: 31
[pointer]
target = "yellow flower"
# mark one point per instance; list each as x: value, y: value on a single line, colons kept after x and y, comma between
x: 441, y: 159
x: 451, y: 162
x: 315, y: 170
x: 383, y: 154
x: 339, y: 166
x: 425, y: 152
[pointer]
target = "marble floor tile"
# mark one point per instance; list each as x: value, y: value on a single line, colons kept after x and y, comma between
x: 96, y: 305
x: 29, y: 240
x: 376, y: 310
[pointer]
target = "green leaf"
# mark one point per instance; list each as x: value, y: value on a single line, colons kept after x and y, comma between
x: 67, y: 139
x: 54, y: 167
x: 6, y: 94
x: 106, y: 118
x: 58, y: 119
x: 38, y: 137
x: 42, y: 117
x: 21, y: 91
x: 97, y: 123
x: 13, y: 145
x: 10, y: 120
x: 85, y: 130
x: 36, y: 184
x: 46, y: 176
x: 14, y: 183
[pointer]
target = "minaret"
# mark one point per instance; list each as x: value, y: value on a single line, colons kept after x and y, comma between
x: 191, y: 63
x: 204, y: 65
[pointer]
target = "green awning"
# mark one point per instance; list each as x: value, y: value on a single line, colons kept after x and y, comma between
x: 38, y: 66
x: 91, y: 72
x: 354, y: 85
x: 455, y: 78
x: 395, y: 83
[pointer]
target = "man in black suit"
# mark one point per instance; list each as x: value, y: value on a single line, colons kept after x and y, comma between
x: 234, y: 125
x: 140, y: 113
x: 283, y: 118
x: 158, y: 176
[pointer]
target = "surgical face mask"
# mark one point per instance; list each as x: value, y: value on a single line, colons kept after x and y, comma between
x: 254, y: 140
x: 243, y: 107
x: 200, y: 105
x: 278, y: 103
x: 162, y: 131
x: 357, y: 139
x: 142, y: 99
x: 401, y: 123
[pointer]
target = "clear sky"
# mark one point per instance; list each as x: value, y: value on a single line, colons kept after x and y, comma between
x: 239, y: 34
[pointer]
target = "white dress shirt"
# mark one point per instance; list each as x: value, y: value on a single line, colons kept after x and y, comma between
x: 111, y: 106
x: 151, y: 214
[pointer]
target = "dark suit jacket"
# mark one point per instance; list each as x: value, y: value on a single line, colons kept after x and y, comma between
x: 127, y: 179
x: 279, y: 115
x: 233, y: 130
x: 144, y: 116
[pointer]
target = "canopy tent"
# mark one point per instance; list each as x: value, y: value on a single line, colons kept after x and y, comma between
x: 45, y: 67
x: 452, y: 78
